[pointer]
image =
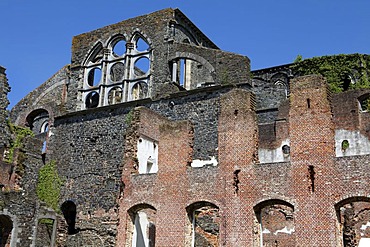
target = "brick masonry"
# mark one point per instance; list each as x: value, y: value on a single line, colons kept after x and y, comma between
x: 310, y: 198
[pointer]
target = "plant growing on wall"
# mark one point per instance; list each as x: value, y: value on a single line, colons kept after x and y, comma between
x: 342, y: 72
x: 49, y: 185
x: 18, y: 133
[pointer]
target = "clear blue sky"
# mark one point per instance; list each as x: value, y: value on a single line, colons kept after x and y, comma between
x: 35, y: 36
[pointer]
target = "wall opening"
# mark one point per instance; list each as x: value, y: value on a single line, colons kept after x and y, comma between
x: 115, y: 96
x: 69, y: 212
x: 354, y: 221
x: 119, y: 48
x: 92, y: 100
x: 117, y: 72
x: 364, y: 102
x: 94, y: 77
x: 38, y: 121
x: 204, y: 222
x: 6, y: 227
x: 45, y: 232
x: 147, y: 155
x: 276, y: 223
x: 142, y: 45
x: 142, y: 226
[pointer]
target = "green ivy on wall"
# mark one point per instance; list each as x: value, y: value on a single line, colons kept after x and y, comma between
x: 18, y: 133
x: 342, y: 72
x: 49, y: 185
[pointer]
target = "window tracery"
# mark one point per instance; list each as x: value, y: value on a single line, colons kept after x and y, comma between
x: 118, y: 73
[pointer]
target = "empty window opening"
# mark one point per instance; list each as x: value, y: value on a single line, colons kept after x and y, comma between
x: 94, y: 77
x: 354, y: 219
x: 276, y: 220
x: 139, y: 91
x: 117, y: 72
x: 44, y: 127
x: 236, y: 112
x: 147, y: 154
x: 346, y: 83
x: 364, y: 102
x: 308, y: 103
x: 92, y: 100
x: 141, y: 45
x: 119, y: 48
x: 311, y: 177
x: 143, y: 226
x: 115, y: 96
x: 6, y: 227
x: 96, y: 55
x: 38, y: 121
x: 142, y: 66
x: 205, y: 224
x: 286, y: 150
x: 345, y: 145
x: 45, y: 232
x: 69, y: 212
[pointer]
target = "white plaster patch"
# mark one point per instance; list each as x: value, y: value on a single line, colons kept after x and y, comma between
x: 364, y: 242
x: 265, y: 230
x: 284, y: 230
x: 363, y: 227
x: 147, y: 155
x: 201, y: 163
x: 358, y: 143
x: 273, y: 155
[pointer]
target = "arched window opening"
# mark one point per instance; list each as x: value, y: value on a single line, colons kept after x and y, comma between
x: 143, y: 226
x: 115, y: 96
x: 119, y: 48
x: 190, y: 73
x: 96, y: 55
x: 92, y: 100
x: 44, y: 127
x: 142, y: 66
x: 117, y: 72
x: 94, y: 77
x: 45, y: 232
x: 69, y: 212
x: 6, y: 227
x: 204, y: 220
x: 276, y: 223
x: 38, y: 121
x: 139, y: 91
x: 142, y: 45
x: 354, y: 220
x: 364, y: 102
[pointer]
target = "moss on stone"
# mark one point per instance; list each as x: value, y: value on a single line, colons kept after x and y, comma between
x: 49, y: 185
x: 18, y: 134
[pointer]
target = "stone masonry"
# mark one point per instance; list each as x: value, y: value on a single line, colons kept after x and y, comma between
x: 153, y: 136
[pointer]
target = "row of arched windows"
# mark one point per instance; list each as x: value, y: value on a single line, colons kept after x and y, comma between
x: 117, y: 72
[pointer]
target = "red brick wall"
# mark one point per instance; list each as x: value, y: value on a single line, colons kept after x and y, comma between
x: 312, y: 152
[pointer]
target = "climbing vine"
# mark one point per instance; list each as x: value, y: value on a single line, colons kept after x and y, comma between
x: 49, y: 185
x: 18, y: 134
x: 342, y: 72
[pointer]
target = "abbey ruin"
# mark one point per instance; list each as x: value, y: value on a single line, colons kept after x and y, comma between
x: 153, y: 136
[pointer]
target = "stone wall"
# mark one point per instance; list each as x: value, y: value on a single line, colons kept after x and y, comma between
x: 4, y: 90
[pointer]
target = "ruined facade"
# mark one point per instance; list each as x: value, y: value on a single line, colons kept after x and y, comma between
x: 153, y: 136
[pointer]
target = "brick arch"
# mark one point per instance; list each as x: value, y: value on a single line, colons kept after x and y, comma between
x: 203, y: 225
x: 276, y: 223
x: 353, y: 219
x: 141, y: 225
